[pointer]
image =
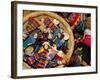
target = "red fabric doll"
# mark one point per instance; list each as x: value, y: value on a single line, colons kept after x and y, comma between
x: 87, y: 38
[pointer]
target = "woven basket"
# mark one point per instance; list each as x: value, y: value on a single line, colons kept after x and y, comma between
x: 65, y: 27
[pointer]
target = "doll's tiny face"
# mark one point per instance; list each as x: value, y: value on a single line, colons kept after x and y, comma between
x: 88, y: 22
x: 50, y: 36
x: 56, y: 22
x: 42, y: 19
x: 35, y: 35
x: 46, y: 46
x: 59, y: 35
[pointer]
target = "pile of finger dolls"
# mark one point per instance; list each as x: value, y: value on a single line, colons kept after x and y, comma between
x: 81, y: 27
x: 44, y: 46
x: 80, y: 24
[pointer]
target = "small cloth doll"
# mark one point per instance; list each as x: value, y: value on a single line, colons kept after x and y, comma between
x: 59, y: 57
x: 41, y: 50
x: 37, y: 44
x: 30, y: 40
x: 29, y: 50
x: 30, y: 60
x: 44, y: 37
x: 74, y: 19
x: 51, y: 54
x: 50, y: 35
x: 39, y: 64
x: 25, y: 35
x: 52, y: 51
x: 51, y: 64
x: 80, y: 28
x: 48, y: 22
x: 87, y: 38
x: 66, y: 36
x: 58, y: 38
x: 56, y: 33
x: 56, y: 22
x: 42, y: 60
